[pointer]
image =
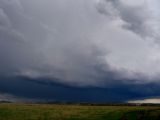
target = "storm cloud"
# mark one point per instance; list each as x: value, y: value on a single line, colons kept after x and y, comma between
x: 86, y: 43
x: 62, y: 47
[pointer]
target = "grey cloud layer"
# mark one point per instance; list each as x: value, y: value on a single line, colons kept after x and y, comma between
x: 137, y: 18
x: 31, y: 48
x: 69, y: 40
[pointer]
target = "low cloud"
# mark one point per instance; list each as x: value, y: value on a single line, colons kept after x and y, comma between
x: 4, y: 97
x: 154, y: 100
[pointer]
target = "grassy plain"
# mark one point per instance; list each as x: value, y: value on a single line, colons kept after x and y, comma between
x: 76, y: 112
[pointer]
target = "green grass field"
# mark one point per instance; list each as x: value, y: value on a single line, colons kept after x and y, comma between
x: 76, y: 112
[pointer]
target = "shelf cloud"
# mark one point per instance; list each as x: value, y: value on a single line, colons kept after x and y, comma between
x: 86, y: 43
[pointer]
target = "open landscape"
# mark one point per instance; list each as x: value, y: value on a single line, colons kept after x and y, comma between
x: 10, y: 111
x: 79, y: 59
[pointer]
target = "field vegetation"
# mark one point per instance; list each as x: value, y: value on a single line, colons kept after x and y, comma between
x: 10, y: 111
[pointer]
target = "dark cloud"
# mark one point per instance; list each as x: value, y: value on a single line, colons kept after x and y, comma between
x: 42, y: 90
x: 60, y: 49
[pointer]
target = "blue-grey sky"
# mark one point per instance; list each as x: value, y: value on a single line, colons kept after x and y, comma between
x: 85, y: 50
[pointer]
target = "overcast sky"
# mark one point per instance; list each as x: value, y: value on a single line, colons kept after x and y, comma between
x: 99, y: 46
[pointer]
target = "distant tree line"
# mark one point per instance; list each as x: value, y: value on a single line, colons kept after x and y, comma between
x: 87, y: 103
x: 99, y: 104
